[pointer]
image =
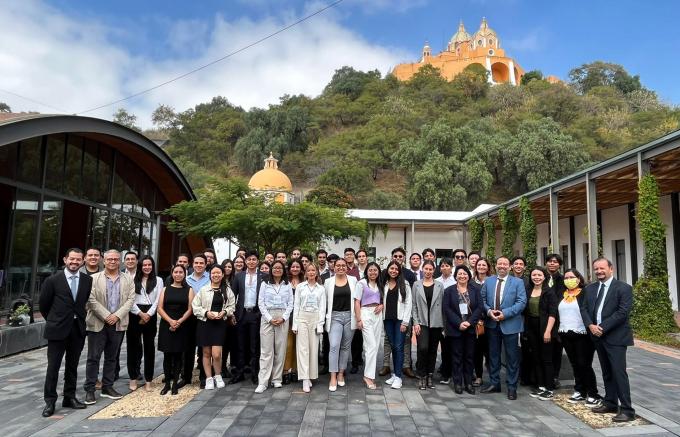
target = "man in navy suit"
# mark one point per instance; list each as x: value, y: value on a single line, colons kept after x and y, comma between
x: 63, y: 297
x: 606, y: 314
x: 246, y: 288
x: 504, y: 300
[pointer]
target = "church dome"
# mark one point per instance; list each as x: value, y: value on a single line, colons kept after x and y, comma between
x: 461, y: 35
x: 270, y: 177
x: 485, y: 36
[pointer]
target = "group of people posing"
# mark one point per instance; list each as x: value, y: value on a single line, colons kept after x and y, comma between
x: 292, y: 317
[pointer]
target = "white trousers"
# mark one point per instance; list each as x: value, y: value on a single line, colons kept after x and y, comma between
x: 372, y: 335
x: 307, y: 343
x: 273, y: 340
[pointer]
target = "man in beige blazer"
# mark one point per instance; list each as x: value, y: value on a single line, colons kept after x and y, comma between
x: 108, y: 308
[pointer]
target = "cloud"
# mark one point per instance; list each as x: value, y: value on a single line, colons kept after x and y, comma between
x: 66, y: 63
x: 531, y: 42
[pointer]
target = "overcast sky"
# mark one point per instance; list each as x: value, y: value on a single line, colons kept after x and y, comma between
x: 76, y: 55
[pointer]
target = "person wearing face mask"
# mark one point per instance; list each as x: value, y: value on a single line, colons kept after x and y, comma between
x: 580, y: 349
x: 539, y: 320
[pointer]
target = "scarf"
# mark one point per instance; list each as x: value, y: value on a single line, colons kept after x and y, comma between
x: 569, y: 297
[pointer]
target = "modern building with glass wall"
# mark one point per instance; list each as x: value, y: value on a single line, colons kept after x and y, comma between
x: 75, y: 181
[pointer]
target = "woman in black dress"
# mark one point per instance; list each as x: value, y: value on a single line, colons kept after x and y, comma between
x: 230, y: 346
x: 174, y: 307
x: 212, y: 305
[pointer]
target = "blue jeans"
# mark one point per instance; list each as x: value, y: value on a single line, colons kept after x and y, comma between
x: 396, y: 337
x: 510, y: 342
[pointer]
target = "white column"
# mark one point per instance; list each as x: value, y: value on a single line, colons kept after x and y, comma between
x: 591, y: 213
x: 554, y: 222
x: 512, y: 73
x: 488, y: 68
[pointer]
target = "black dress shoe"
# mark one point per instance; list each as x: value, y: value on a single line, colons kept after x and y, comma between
x: 72, y: 403
x: 49, y: 409
x: 458, y: 389
x: 512, y: 395
x: 165, y: 389
x: 409, y: 372
x: 237, y: 378
x: 354, y: 370
x: 181, y: 383
x: 470, y: 389
x: 175, y: 387
x: 490, y: 389
x: 286, y: 379
x: 603, y: 409
x: 623, y: 417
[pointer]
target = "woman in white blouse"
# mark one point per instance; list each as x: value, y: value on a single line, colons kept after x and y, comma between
x: 309, y: 316
x: 141, y: 332
x: 276, y: 303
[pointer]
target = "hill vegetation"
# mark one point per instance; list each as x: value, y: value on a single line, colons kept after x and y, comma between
x: 428, y: 144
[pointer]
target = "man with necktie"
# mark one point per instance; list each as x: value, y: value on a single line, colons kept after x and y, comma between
x: 606, y: 314
x: 63, y: 297
x: 504, y: 300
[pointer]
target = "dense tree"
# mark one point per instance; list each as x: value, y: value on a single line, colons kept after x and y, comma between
x: 122, y: 116
x: 226, y: 208
x: 328, y: 195
x: 380, y: 199
x: 349, y: 82
x: 164, y: 117
x: 601, y: 73
x: 531, y: 75
x: 349, y: 178
x: 4, y: 107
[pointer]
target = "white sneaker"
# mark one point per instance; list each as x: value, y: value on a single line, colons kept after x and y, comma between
x: 391, y: 380
x: 306, y: 385
x: 260, y: 388
x: 219, y: 383
x: 210, y: 384
x: 397, y: 382
x: 277, y: 385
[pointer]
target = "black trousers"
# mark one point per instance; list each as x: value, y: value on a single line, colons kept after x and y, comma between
x: 557, y: 349
x: 141, y: 342
x: 462, y: 357
x: 189, y: 356
x: 427, y: 343
x: 106, y: 341
x: 447, y: 358
x: 580, y: 351
x: 526, y: 369
x: 481, y: 353
x: 116, y: 374
x: 249, y: 341
x: 72, y: 346
x: 614, y: 376
x: 541, y: 354
x: 230, y: 348
x: 172, y: 366
x: 357, y: 348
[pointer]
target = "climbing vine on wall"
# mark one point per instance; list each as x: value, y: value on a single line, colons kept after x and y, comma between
x: 476, y: 235
x: 509, y: 231
x: 490, y: 231
x: 527, y: 232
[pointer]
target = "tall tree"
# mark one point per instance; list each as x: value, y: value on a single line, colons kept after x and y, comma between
x: 600, y: 73
x: 4, y: 107
x: 127, y: 119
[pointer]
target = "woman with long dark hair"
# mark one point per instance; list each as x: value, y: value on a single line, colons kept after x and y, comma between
x: 230, y: 346
x: 239, y: 264
x: 141, y: 332
x: 462, y: 309
x: 308, y: 319
x: 576, y: 340
x: 339, y: 321
x: 276, y: 304
x: 295, y: 277
x: 212, y: 305
x: 396, y: 317
x: 427, y: 322
x: 174, y: 307
x: 540, y: 316
x: 368, y: 308
x: 483, y: 270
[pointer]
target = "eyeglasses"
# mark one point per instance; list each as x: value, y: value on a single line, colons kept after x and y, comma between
x: 460, y: 257
x: 340, y: 266
x: 397, y: 256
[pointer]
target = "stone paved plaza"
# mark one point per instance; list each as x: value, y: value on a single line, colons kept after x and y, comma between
x: 351, y: 411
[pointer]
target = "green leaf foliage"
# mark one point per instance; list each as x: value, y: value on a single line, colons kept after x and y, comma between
x: 490, y: 231
x: 226, y: 208
x: 527, y: 232
x: 509, y: 231
x: 652, y: 313
x: 652, y: 228
x: 328, y: 195
x: 476, y: 235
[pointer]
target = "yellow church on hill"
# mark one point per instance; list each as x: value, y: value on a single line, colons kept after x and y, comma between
x: 272, y: 181
x: 483, y: 48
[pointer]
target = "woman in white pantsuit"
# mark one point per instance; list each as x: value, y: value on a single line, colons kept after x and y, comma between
x: 309, y: 316
x: 276, y: 303
x: 368, y: 309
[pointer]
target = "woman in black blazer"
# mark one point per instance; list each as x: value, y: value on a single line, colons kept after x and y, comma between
x: 462, y: 307
x: 540, y: 327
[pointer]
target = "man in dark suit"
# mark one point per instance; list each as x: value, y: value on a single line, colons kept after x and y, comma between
x: 504, y: 300
x: 246, y: 288
x: 606, y: 313
x: 63, y: 298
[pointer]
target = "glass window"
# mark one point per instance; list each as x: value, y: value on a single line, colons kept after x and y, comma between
x: 90, y: 172
x: 73, y: 168
x: 23, y: 237
x: 586, y: 258
x: 30, y: 161
x: 620, y: 259
x: 105, y: 160
x: 125, y: 232
x: 56, y: 150
x: 9, y: 160
x: 48, y: 256
x: 98, y: 221
x: 147, y: 238
x: 443, y: 253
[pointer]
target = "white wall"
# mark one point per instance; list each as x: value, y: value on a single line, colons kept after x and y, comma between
x: 665, y: 209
